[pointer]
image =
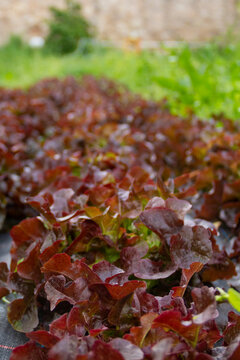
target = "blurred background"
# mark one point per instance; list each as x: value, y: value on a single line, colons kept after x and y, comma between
x: 185, y: 50
x: 149, y: 20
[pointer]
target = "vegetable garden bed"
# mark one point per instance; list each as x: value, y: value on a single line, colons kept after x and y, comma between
x: 132, y: 219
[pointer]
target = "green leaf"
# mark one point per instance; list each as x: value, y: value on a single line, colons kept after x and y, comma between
x: 111, y: 254
x: 223, y: 295
x: 234, y: 299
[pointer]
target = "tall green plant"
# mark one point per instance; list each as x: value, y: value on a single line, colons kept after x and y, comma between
x: 66, y: 28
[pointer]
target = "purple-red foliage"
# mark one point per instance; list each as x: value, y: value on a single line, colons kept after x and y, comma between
x: 117, y: 264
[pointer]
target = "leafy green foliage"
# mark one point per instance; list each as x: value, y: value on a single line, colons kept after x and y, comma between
x: 67, y: 28
x: 232, y: 296
x: 234, y: 299
x: 202, y: 79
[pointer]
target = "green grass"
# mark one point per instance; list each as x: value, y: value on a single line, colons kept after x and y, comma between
x: 205, y: 79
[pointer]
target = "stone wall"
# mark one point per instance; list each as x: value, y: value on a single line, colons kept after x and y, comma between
x: 116, y: 20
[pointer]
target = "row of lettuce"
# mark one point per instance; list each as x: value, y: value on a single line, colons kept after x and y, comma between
x: 132, y: 220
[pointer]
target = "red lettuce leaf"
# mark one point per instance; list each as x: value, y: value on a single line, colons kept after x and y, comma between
x: 232, y: 330
x: 43, y: 338
x: 89, y: 231
x: 61, y: 264
x: 105, y: 270
x: 67, y: 347
x: 23, y: 235
x: 57, y: 291
x: 103, y: 351
x: 4, y: 272
x: 138, y: 334
x: 127, y: 349
x: 191, y: 244
x: 219, y: 267
x: 164, y: 222
x: 29, y: 268
x: 172, y: 320
x: 29, y: 351
x: 23, y: 314
x: 205, y: 304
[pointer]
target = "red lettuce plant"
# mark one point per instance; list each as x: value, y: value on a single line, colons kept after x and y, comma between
x: 127, y: 211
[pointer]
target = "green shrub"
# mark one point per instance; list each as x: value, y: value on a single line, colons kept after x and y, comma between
x: 66, y: 28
